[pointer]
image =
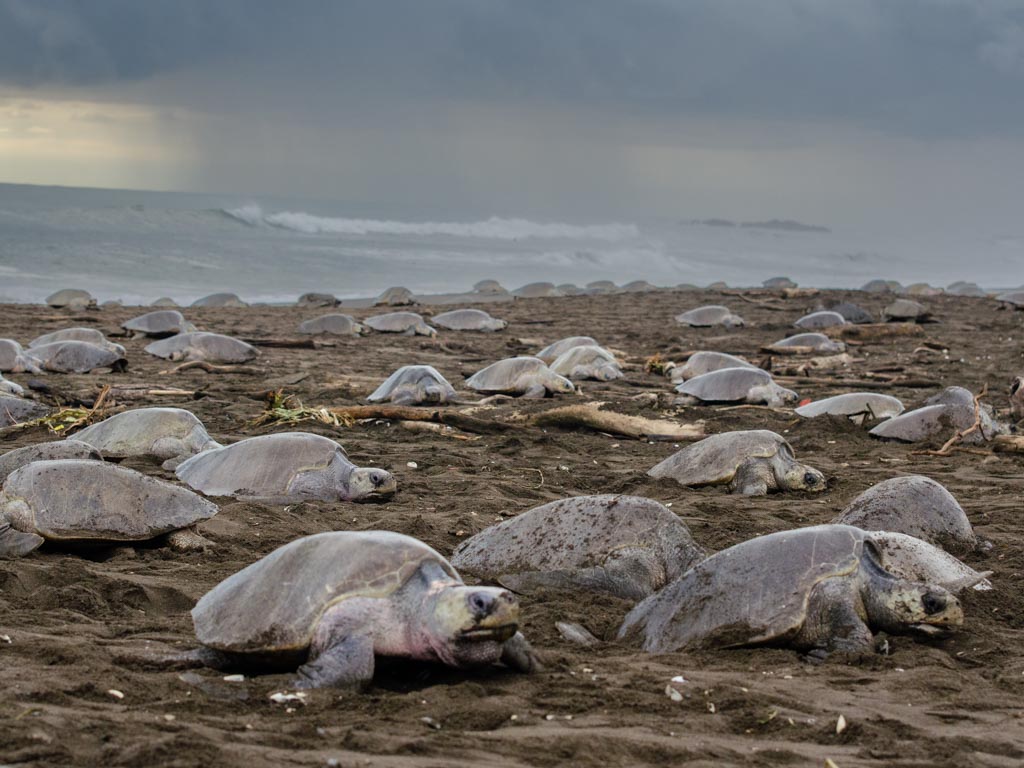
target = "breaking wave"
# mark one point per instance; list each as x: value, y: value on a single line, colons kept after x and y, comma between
x: 494, y: 228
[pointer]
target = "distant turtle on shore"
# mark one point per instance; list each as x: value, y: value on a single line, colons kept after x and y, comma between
x: 817, y: 589
x: 396, y: 296
x: 79, y: 356
x: 628, y: 546
x: 335, y: 323
x: 778, y: 282
x: 72, y: 298
x: 408, y: 323
x: 90, y: 335
x: 814, y: 342
x: 587, y: 362
x: 330, y: 603
x: 852, y: 313
x: 752, y: 462
x: 905, y: 310
x: 821, y: 319
x: 521, y: 376
x: 414, y: 385
x: 711, y: 315
x: 318, y: 300
x: 602, y: 286
x: 159, y: 324
x: 551, y: 352
x: 705, y: 362
x: 220, y: 300
x: 200, y: 345
x: 735, y: 385
x: 492, y: 287
x: 468, y: 320
x: 536, y: 291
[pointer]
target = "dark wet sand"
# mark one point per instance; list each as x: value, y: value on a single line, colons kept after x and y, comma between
x: 72, y: 620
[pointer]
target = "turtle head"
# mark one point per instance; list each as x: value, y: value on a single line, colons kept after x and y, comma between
x: 369, y: 483
x: 467, y: 626
x: 559, y: 384
x: 800, y: 477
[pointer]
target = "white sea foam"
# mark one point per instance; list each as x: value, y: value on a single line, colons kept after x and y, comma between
x: 494, y: 228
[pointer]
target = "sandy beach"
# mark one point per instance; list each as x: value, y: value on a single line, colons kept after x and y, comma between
x: 75, y: 626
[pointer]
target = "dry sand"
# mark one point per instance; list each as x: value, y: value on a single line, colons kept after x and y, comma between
x: 77, y: 621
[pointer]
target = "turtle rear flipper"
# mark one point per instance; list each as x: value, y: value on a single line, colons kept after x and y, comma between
x: 16, y: 543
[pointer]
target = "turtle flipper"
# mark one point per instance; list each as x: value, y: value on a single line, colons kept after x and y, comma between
x: 15, y: 543
x: 517, y: 654
x: 832, y: 622
x: 535, y: 391
x: 752, y: 478
x: 349, y: 663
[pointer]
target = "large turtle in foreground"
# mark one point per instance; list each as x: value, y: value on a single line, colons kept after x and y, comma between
x: 735, y: 385
x: 287, y: 466
x: 626, y: 545
x: 56, y: 449
x: 525, y: 376
x: 752, y: 462
x: 822, y: 588
x: 202, y: 346
x: 159, y: 324
x: 412, y: 385
x: 705, y: 362
x: 914, y: 505
x: 78, y: 501
x: 169, y: 434
x: 329, y: 604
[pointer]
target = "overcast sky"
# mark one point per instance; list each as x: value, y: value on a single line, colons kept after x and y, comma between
x: 844, y: 112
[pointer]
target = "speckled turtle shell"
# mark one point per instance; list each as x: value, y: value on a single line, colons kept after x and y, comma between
x: 414, y: 384
x: 626, y: 545
x: 334, y: 323
x: 200, y: 345
x: 971, y: 290
x: 639, y: 286
x: 881, y: 286
x: 274, y: 605
x: 713, y: 314
x: 715, y: 459
x: 14, y: 410
x: 220, y: 300
x: 778, y: 282
x: 732, y: 385
x: 166, y: 433
x: 57, y: 449
x: 818, y: 342
x: 468, y: 320
x: 79, y: 356
x: 587, y: 362
x: 82, y: 500
x: 408, y: 323
x: 551, y: 352
x: 706, y: 362
x: 818, y: 320
x: 163, y: 322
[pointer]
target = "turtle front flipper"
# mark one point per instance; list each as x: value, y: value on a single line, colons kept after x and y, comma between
x: 348, y: 663
x: 517, y: 654
x: 832, y: 621
x: 17, y: 544
x: 753, y: 478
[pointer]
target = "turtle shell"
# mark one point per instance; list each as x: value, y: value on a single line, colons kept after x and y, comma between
x: 164, y: 322
x: 972, y: 290
x: 509, y: 375
x: 853, y: 313
x: 589, y: 362
x: 200, y: 345
x: 602, y: 286
x: 853, y: 403
x: 78, y: 356
x: 639, y: 286
x: 395, y: 296
x: 220, y: 300
x: 14, y: 410
x: 68, y: 296
x: 726, y: 385
x: 273, y: 605
x: 905, y: 309
x: 14, y: 359
x: 819, y: 342
x: 705, y: 317
x: 915, y: 505
x: 134, y: 433
x: 752, y: 593
x: 468, y: 320
x: 551, y: 352
x: 489, y: 286
x: 90, y: 335
x: 399, y: 322
x: 580, y: 533
x: 336, y: 323
x: 409, y: 385
x: 262, y: 466
x: 706, y: 362
x: 164, y: 301
x: 929, y: 422
x: 881, y: 286
x: 818, y: 320
x: 778, y: 282
x: 715, y: 459
x: 536, y: 291
x: 314, y: 299
x: 82, y: 500
x: 58, y: 449
x: 1014, y: 298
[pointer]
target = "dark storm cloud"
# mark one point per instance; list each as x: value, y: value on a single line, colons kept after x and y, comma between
x: 917, y: 67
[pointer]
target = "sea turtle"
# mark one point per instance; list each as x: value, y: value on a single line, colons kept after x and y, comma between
x: 200, y: 345
x: 753, y: 462
x: 587, y: 362
x: 1011, y: 299
x: 409, y: 323
x: 951, y: 410
x: 915, y: 559
x: 639, y: 286
x: 819, y: 589
x: 334, y: 323
x: 169, y: 434
x: 112, y: 304
x: 962, y: 288
x: 11, y: 387
x: 551, y: 352
x: 687, y: 287
x: 713, y: 314
x: 80, y: 356
x: 881, y: 286
x: 904, y: 310
x: 526, y: 376
x: 735, y: 385
x: 626, y: 545
x: 489, y: 287
x: 396, y: 296
x: 81, y: 501
x: 318, y: 300
x: 815, y: 342
x: 14, y: 359
x: 90, y: 335
x: 718, y: 285
x: 778, y: 282
x: 858, y: 406
x: 15, y: 410
x: 602, y: 286
x: 914, y: 505
x: 413, y: 385
x: 922, y: 289
x: 469, y: 320
x: 1017, y: 397
x: 569, y: 289
x: 286, y: 466
x: 818, y: 320
x: 705, y: 362
x: 220, y: 300
x: 164, y: 301
x: 73, y: 298
x: 852, y: 313
x: 536, y: 291
x: 159, y: 324
x: 57, y: 449
x: 330, y: 603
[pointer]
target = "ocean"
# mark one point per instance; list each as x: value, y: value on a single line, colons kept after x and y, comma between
x: 136, y: 246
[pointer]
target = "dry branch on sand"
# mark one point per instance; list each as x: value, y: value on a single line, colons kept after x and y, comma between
x: 211, y: 368
x: 1008, y: 443
x: 63, y: 420
x: 875, y: 330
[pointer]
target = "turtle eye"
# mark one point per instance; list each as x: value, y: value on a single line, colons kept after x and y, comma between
x: 933, y: 603
x: 810, y: 479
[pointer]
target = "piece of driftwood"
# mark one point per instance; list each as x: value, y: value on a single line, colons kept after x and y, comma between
x: 291, y: 343
x: 141, y: 393
x: 411, y: 413
x: 591, y: 416
x: 433, y: 427
x: 873, y: 331
x: 1008, y: 443
x: 211, y: 368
